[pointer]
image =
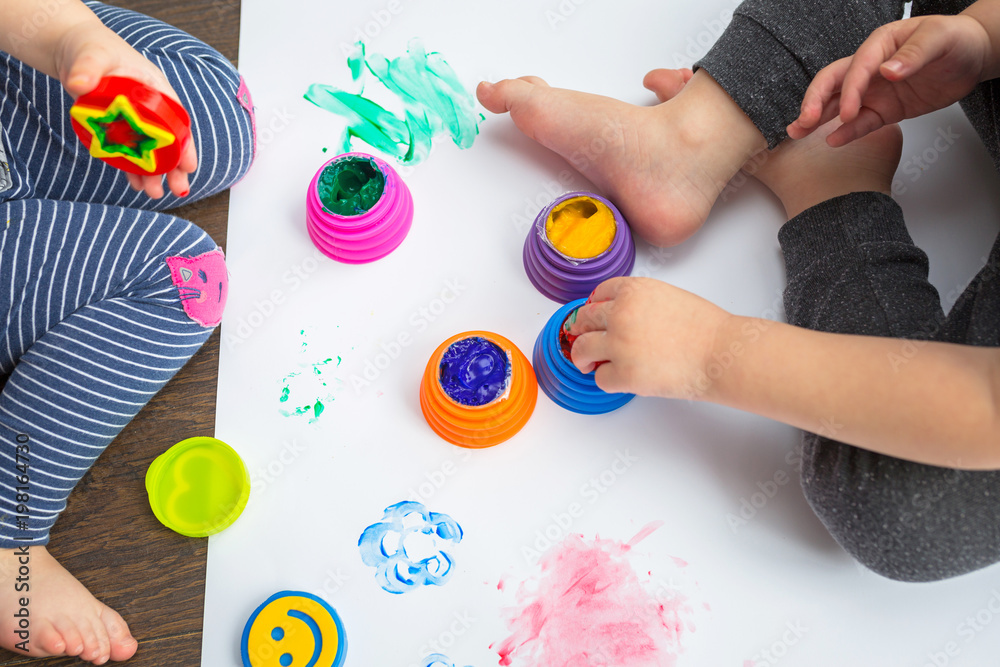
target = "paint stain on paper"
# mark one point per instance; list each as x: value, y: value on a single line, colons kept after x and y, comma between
x: 588, y: 606
x: 410, y: 547
x: 434, y: 103
x: 306, y: 391
x: 438, y: 660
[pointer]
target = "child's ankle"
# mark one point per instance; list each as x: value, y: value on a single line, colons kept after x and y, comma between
x: 713, y: 118
x: 808, y: 172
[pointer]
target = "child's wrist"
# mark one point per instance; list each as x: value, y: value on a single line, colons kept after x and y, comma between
x: 728, y: 345
x: 68, y: 47
x: 987, y: 14
x: 42, y: 51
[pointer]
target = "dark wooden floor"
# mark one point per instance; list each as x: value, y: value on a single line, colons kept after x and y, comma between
x: 108, y: 537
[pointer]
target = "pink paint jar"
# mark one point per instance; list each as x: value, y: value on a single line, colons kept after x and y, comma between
x: 358, y: 210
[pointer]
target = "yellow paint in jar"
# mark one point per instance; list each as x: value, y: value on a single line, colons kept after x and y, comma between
x: 581, y: 227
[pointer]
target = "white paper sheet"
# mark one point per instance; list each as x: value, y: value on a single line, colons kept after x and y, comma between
x: 778, y: 584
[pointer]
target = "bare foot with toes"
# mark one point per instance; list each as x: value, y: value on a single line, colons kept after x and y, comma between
x: 663, y: 166
x: 63, y: 617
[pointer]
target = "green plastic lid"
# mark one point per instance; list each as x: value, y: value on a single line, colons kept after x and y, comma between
x: 198, y: 487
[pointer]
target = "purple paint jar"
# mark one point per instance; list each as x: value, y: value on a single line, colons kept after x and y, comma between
x: 563, y: 278
x: 365, y: 228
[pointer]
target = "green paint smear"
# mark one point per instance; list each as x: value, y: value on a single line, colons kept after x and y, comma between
x: 350, y: 186
x: 356, y: 61
x: 434, y: 102
x: 314, y: 409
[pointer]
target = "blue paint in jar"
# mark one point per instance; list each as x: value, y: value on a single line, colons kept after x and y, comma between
x: 474, y: 371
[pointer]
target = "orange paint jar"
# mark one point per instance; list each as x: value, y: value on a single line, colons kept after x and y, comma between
x: 484, y: 425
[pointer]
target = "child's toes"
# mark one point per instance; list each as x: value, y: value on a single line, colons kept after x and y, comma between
x: 103, y: 653
x: 534, y: 80
x: 666, y: 83
x: 73, y: 641
x: 50, y: 640
x: 91, y: 642
x: 124, y: 648
x: 70, y: 633
x: 502, y: 96
x: 123, y: 645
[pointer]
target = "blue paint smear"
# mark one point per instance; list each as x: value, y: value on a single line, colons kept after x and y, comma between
x: 474, y: 371
x: 438, y: 660
x: 383, y: 546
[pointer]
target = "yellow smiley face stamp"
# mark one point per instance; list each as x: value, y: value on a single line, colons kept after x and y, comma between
x: 294, y: 629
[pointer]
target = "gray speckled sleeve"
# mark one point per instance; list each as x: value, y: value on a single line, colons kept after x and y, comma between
x: 773, y: 48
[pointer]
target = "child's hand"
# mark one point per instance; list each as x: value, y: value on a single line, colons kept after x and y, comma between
x: 903, y: 70
x: 657, y: 339
x: 91, y: 52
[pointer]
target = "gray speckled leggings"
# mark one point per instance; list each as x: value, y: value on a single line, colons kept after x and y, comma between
x: 852, y: 268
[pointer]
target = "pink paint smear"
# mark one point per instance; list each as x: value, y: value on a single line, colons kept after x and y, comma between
x: 588, y: 607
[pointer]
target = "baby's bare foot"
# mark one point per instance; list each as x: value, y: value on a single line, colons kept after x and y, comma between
x: 63, y: 618
x: 663, y: 166
x: 808, y: 171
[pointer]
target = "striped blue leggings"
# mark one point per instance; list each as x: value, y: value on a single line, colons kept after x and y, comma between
x: 103, y: 299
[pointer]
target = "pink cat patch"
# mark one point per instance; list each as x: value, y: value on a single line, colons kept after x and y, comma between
x: 203, y: 284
